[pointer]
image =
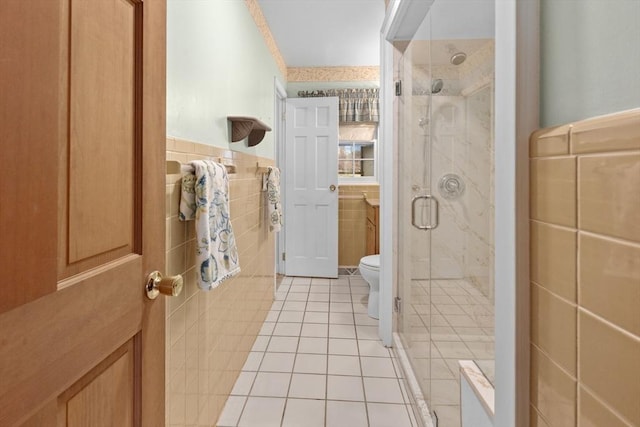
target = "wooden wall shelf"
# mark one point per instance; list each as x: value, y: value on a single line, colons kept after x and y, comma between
x: 242, y: 126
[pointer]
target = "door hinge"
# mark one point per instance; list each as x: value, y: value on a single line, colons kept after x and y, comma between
x: 284, y: 116
x: 399, y: 88
x: 397, y: 305
x: 284, y: 256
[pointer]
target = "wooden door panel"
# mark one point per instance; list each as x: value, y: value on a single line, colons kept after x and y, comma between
x: 29, y: 84
x: 102, y: 138
x: 81, y: 211
x: 48, y: 344
x: 103, y: 397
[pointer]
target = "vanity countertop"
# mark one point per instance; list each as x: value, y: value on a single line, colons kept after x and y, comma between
x: 373, y: 202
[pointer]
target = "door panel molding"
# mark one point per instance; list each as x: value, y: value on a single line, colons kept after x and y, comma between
x: 311, y: 215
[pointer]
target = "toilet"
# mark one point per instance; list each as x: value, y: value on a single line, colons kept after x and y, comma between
x: 370, y: 271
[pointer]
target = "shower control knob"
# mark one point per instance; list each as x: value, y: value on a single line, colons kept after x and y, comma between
x: 451, y: 186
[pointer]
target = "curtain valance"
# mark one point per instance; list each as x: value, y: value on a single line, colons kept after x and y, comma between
x: 354, y: 105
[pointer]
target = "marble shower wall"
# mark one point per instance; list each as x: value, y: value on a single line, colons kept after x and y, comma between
x: 454, y: 135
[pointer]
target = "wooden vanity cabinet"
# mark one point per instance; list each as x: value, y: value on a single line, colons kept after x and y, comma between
x: 373, y: 239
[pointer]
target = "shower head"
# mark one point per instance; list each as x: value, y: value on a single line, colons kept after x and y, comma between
x: 436, y: 86
x: 458, y: 58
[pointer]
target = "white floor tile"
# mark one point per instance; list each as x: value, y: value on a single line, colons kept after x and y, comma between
x: 308, y: 386
x: 450, y: 349
x: 377, y: 367
x: 388, y: 415
x: 360, y: 306
x: 291, y: 316
x: 318, y: 297
x: 316, y: 317
x: 267, y: 328
x: 261, y: 342
x: 365, y: 320
x: 345, y: 388
x: 277, y: 362
x: 283, y: 344
x: 346, y: 414
x: 299, y: 296
x: 340, y: 297
x: 272, y: 316
x: 344, y: 365
x: 320, y: 281
x: 253, y: 361
x: 243, y: 384
x: 448, y: 415
x: 461, y: 320
x: 342, y: 331
x: 440, y: 370
x: 382, y: 390
x: 231, y: 412
x: 341, y: 307
x: 314, y: 330
x: 310, y: 364
x: 262, y: 412
x: 373, y: 348
x: 312, y: 345
x: 341, y: 318
x: 294, y: 306
x: 367, y: 332
x: 301, y: 281
x: 300, y: 289
x: 345, y: 347
x: 287, y: 329
x: 318, y: 306
x: 445, y: 392
x: 303, y: 412
x: 481, y: 350
x: 271, y: 384
x: 330, y: 356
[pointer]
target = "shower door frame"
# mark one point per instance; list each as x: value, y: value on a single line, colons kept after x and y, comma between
x: 516, y: 117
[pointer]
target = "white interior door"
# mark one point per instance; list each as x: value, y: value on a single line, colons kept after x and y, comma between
x: 311, y: 181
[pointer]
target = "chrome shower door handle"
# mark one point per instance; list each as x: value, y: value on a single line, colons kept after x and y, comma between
x: 436, y: 216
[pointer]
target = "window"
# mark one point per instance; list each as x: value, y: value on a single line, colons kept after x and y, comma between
x: 356, y: 159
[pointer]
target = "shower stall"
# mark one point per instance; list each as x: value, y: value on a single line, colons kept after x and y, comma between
x: 445, y: 117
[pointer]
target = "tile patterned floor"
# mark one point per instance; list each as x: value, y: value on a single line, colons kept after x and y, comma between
x: 318, y: 362
x: 449, y: 320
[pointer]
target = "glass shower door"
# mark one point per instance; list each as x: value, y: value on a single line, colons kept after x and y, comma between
x: 417, y: 209
x: 445, y: 202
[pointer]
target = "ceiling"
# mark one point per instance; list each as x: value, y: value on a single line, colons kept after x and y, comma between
x: 326, y: 33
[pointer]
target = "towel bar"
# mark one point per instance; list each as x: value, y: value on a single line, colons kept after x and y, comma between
x: 175, y: 167
x: 261, y: 169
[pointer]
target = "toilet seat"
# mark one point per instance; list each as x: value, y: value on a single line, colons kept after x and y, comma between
x: 371, y: 261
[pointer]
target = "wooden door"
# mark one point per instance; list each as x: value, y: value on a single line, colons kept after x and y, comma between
x: 311, y: 195
x: 82, y: 131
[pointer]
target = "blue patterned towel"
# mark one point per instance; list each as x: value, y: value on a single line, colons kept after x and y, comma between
x: 273, y: 199
x: 205, y: 198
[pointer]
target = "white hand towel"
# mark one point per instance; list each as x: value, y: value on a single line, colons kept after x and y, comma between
x: 273, y: 199
x: 205, y: 198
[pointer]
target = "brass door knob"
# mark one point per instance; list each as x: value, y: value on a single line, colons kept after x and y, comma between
x: 156, y: 284
x: 332, y: 187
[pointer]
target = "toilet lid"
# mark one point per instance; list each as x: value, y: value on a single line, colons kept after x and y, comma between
x: 371, y: 261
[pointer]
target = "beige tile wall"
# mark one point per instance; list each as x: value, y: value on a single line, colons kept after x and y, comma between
x: 352, y: 222
x: 585, y: 273
x: 209, y: 334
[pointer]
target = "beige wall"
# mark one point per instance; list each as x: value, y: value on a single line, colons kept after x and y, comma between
x: 585, y: 273
x: 352, y: 222
x: 209, y: 334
